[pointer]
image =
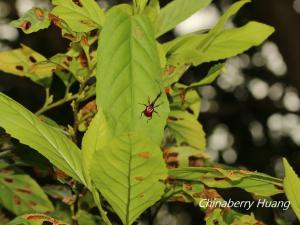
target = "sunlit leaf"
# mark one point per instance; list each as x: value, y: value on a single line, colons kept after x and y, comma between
x: 33, y: 20
x: 30, y: 130
x: 212, y: 74
x: 80, y: 15
x: 186, y: 129
x: 128, y: 72
x: 291, y: 184
x: 175, y: 12
x: 21, y: 194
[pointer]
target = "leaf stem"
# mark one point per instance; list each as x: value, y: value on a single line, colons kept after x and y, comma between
x: 62, y: 101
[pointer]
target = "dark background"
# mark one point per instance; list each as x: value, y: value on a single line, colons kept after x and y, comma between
x: 250, y: 115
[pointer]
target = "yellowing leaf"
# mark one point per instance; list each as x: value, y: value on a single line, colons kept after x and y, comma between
x: 24, y: 62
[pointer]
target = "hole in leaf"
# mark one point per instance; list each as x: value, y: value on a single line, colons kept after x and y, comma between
x: 26, y: 25
x: 216, y: 222
x: 20, y: 67
x: 69, y: 58
x: 8, y: 180
x: 32, y: 59
x: 47, y: 223
x: 195, y: 161
x: 77, y: 2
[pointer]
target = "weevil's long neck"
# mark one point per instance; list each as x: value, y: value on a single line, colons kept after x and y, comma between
x: 157, y: 97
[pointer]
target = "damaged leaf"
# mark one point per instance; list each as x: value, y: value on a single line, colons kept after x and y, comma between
x: 24, y: 62
x: 21, y: 194
x: 36, y: 219
x: 34, y: 20
x: 79, y: 15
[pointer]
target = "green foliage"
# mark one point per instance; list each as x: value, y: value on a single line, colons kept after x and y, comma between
x: 33, y: 21
x: 291, y: 184
x: 24, y: 125
x: 129, y: 145
x: 121, y: 165
x: 80, y: 16
x: 175, y: 12
x: 186, y: 129
x: 21, y: 194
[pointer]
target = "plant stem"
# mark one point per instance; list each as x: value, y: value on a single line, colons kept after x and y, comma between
x: 55, y: 104
x: 103, y: 213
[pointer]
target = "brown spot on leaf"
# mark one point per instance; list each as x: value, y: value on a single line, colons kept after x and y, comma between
x: 82, y: 59
x: 34, y: 217
x: 55, y: 20
x: 8, y: 180
x: 139, y: 178
x: 69, y: 200
x: 39, y: 13
x: 26, y: 25
x: 169, y: 69
x: 69, y: 58
x: 168, y: 90
x: 172, y: 118
x: 32, y: 203
x: 77, y: 2
x: 177, y: 198
x: 85, y: 41
x: 17, y: 200
x: 188, y: 186
x: 20, y: 67
x: 195, y: 161
x: 32, y: 59
x: 24, y: 191
x: 145, y: 155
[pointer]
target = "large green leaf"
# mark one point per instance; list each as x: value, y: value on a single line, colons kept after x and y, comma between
x: 186, y: 129
x: 175, y: 12
x: 35, y: 219
x: 230, y: 42
x: 80, y: 15
x: 218, y: 43
x: 22, y: 62
x: 33, y: 20
x: 121, y: 147
x: 291, y: 184
x: 50, y: 142
x: 253, y: 182
x: 21, y: 194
